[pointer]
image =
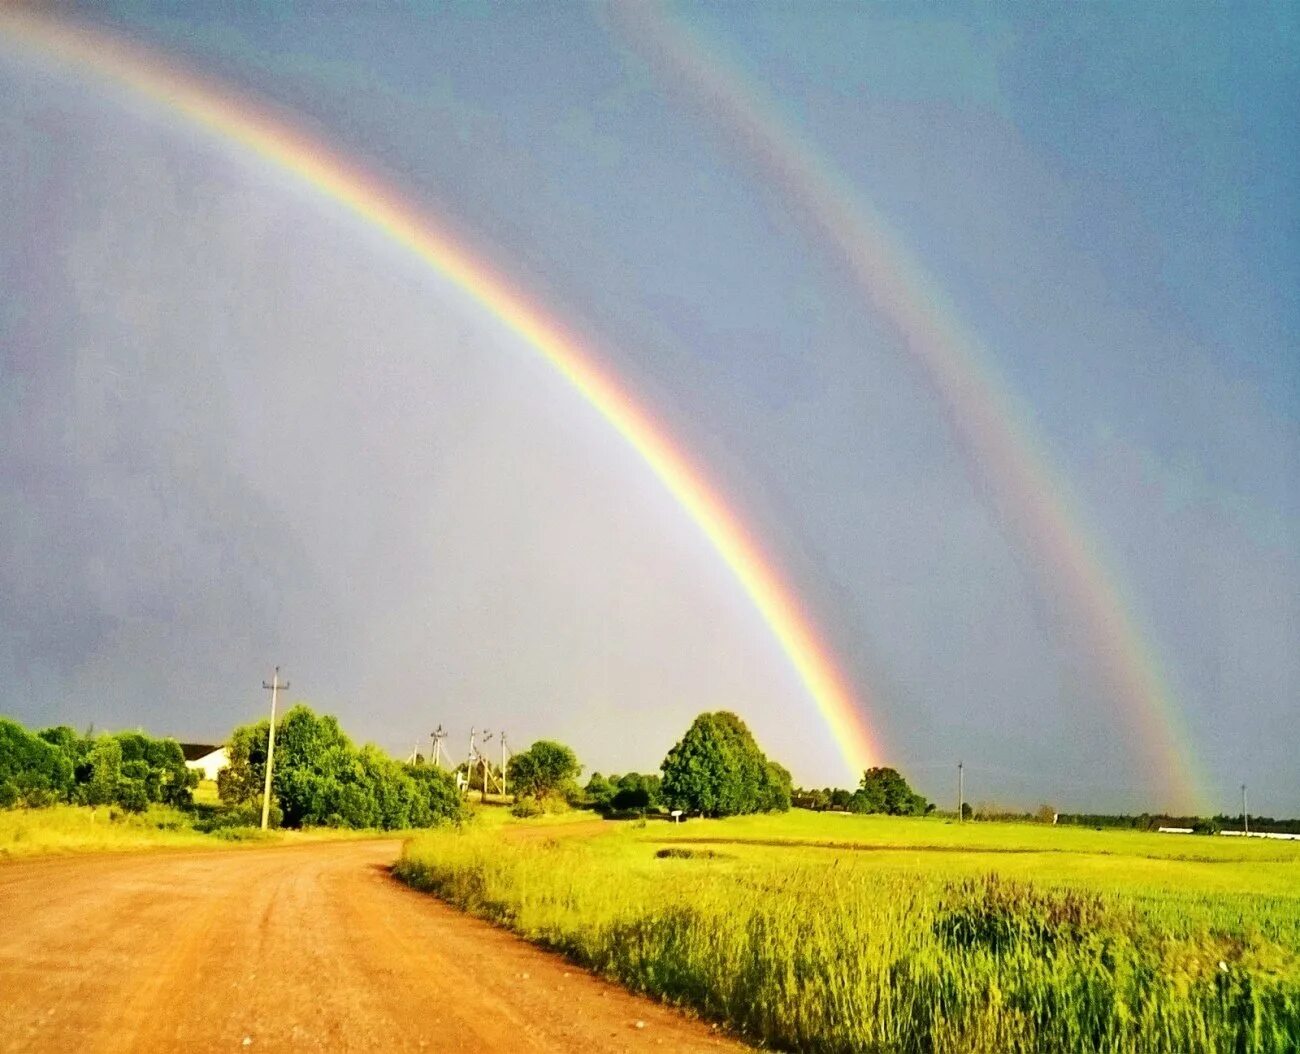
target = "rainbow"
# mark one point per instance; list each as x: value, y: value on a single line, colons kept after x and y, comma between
x: 1000, y: 445
x: 238, y: 121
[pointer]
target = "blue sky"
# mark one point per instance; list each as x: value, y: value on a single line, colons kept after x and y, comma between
x: 241, y: 429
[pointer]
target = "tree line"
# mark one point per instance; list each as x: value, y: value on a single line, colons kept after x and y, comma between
x: 321, y: 778
x: 716, y: 769
x: 882, y: 790
x: 126, y: 769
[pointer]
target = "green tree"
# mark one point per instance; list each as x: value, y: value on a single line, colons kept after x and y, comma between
x: 241, y: 781
x: 718, y: 770
x: 322, y: 779
x: 104, y: 777
x: 649, y: 784
x: 74, y: 746
x: 437, y: 798
x: 546, y: 769
x: 158, y: 765
x: 775, y: 790
x: 600, y: 791
x: 884, y: 790
x: 32, y: 770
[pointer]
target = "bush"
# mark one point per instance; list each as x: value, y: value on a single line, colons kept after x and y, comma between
x: 243, y: 816
x: 678, y: 853
x: 527, y: 808
x: 631, y: 798
x: 132, y: 796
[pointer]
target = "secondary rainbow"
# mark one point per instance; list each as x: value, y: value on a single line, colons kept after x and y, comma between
x: 236, y: 120
x: 999, y: 442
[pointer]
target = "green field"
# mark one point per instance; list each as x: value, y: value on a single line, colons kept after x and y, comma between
x: 848, y: 933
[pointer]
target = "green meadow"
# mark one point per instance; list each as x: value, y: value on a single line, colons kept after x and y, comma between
x: 831, y: 932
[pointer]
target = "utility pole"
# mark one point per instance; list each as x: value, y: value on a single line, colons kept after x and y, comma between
x: 503, y: 765
x: 1245, y: 816
x: 961, y: 793
x: 274, y: 688
x: 437, y: 736
x: 483, y: 761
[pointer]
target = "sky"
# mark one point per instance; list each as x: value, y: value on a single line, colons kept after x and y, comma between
x: 242, y: 428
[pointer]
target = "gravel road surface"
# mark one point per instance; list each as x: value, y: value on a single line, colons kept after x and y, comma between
x: 310, y: 947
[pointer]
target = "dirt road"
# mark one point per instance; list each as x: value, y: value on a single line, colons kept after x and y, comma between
x: 303, y: 948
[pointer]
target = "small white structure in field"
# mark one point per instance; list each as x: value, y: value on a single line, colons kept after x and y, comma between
x: 676, y: 815
x: 1174, y: 830
x: 207, y: 758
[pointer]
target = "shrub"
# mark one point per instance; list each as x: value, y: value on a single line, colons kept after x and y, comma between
x: 132, y: 796
x: 632, y: 798
x: 678, y: 853
x: 527, y: 808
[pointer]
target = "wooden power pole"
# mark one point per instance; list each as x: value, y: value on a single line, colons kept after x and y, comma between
x: 274, y: 688
x: 503, y: 765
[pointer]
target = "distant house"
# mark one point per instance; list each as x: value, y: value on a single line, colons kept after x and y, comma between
x: 207, y: 758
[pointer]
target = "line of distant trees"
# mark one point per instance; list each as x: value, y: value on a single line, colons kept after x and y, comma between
x: 716, y: 769
x: 127, y: 769
x: 1154, y: 821
x: 882, y: 790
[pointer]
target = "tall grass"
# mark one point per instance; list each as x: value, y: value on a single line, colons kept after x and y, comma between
x: 86, y: 829
x: 81, y: 828
x: 824, y: 952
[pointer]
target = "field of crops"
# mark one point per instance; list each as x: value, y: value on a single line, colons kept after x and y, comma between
x: 840, y: 933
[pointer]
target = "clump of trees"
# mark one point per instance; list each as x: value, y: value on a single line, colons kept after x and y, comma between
x: 630, y: 792
x: 320, y: 778
x: 824, y: 799
x: 882, y: 790
x: 126, y: 769
x: 544, y: 777
x: 718, y: 770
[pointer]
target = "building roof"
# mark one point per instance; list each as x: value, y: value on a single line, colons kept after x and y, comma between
x: 194, y: 751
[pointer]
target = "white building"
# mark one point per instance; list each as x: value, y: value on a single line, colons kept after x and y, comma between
x: 207, y: 758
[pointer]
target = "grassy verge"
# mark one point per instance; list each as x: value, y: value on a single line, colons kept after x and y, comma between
x: 895, y: 941
x: 81, y: 829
